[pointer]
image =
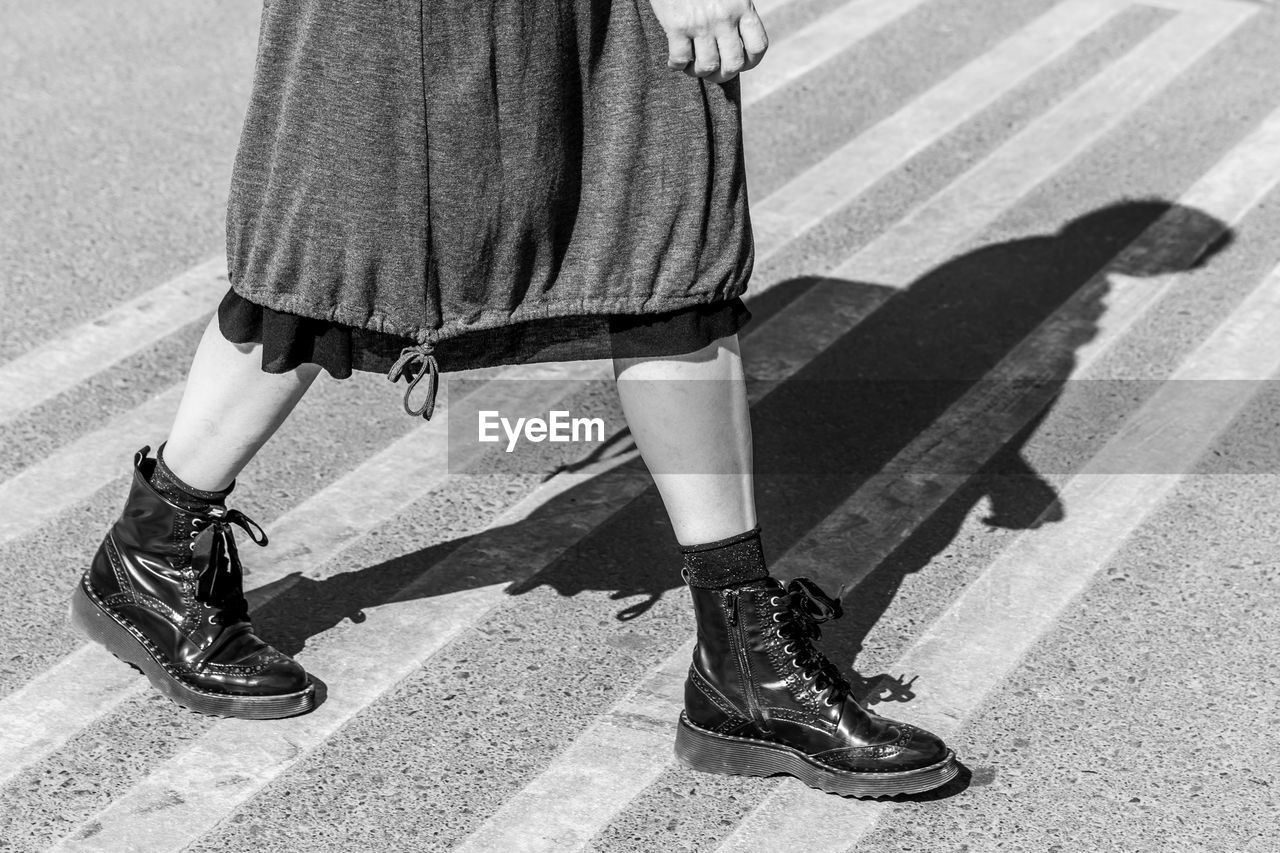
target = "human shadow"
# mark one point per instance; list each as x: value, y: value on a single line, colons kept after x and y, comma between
x: 821, y: 434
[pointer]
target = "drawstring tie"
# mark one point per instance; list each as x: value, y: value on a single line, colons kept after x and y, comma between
x: 421, y: 359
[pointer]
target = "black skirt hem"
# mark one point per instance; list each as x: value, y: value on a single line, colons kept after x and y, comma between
x: 290, y: 340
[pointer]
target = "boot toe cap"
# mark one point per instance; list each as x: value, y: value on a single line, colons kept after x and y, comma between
x: 919, y: 748
x: 909, y: 748
x: 268, y: 673
x: 283, y: 674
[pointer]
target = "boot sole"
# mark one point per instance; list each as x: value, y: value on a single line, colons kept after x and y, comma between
x: 97, y: 623
x: 709, y: 752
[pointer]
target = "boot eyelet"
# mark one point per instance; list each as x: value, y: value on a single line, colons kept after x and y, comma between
x: 773, y: 601
x: 789, y: 649
x: 777, y: 617
x: 191, y: 547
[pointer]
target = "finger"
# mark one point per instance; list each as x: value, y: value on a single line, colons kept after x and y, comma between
x: 706, y: 59
x: 729, y: 47
x: 755, y: 41
x: 679, y: 52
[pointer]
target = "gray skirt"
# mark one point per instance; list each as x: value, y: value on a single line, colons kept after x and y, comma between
x: 450, y: 173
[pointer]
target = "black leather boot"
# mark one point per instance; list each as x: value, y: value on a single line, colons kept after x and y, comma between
x: 761, y: 699
x: 164, y: 593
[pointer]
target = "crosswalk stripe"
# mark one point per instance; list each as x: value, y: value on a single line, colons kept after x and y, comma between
x: 1200, y: 5
x: 66, y: 361
x: 984, y: 634
x: 614, y: 759
x: 1066, y: 131
x: 864, y: 530
x: 820, y: 42
x: 238, y: 757
x: 40, y: 492
x: 131, y: 327
x: 567, y: 804
x: 882, y: 149
x: 38, y: 718
x: 599, y: 489
x: 41, y: 715
x: 608, y: 493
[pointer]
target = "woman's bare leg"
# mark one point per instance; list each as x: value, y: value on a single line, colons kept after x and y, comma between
x: 689, y: 417
x: 229, y: 409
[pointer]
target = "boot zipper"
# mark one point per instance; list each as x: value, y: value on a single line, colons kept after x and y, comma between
x: 738, y: 636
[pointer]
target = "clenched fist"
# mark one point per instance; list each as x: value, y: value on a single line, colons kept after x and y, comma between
x: 714, y: 39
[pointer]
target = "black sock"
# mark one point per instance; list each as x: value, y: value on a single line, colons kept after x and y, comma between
x: 167, y: 483
x: 727, y: 562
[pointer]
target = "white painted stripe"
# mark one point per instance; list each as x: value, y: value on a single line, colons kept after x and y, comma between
x: 237, y: 758
x: 1016, y: 168
x: 1207, y: 6
x: 598, y: 496
x: 43, y: 714
x: 879, y: 151
x: 75, y: 471
x: 863, y: 531
x: 818, y: 43
x: 42, y: 491
x: 1237, y: 183
x: 982, y: 637
x: 566, y: 805
x: 40, y: 717
x: 614, y: 759
x: 62, y: 363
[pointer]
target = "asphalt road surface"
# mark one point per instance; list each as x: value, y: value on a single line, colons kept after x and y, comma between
x: 1016, y: 305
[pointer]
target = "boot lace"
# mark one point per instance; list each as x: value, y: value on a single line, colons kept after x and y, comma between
x: 800, y: 608
x: 219, y: 578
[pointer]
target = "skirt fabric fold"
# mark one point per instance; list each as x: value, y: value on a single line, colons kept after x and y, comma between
x: 501, y: 182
